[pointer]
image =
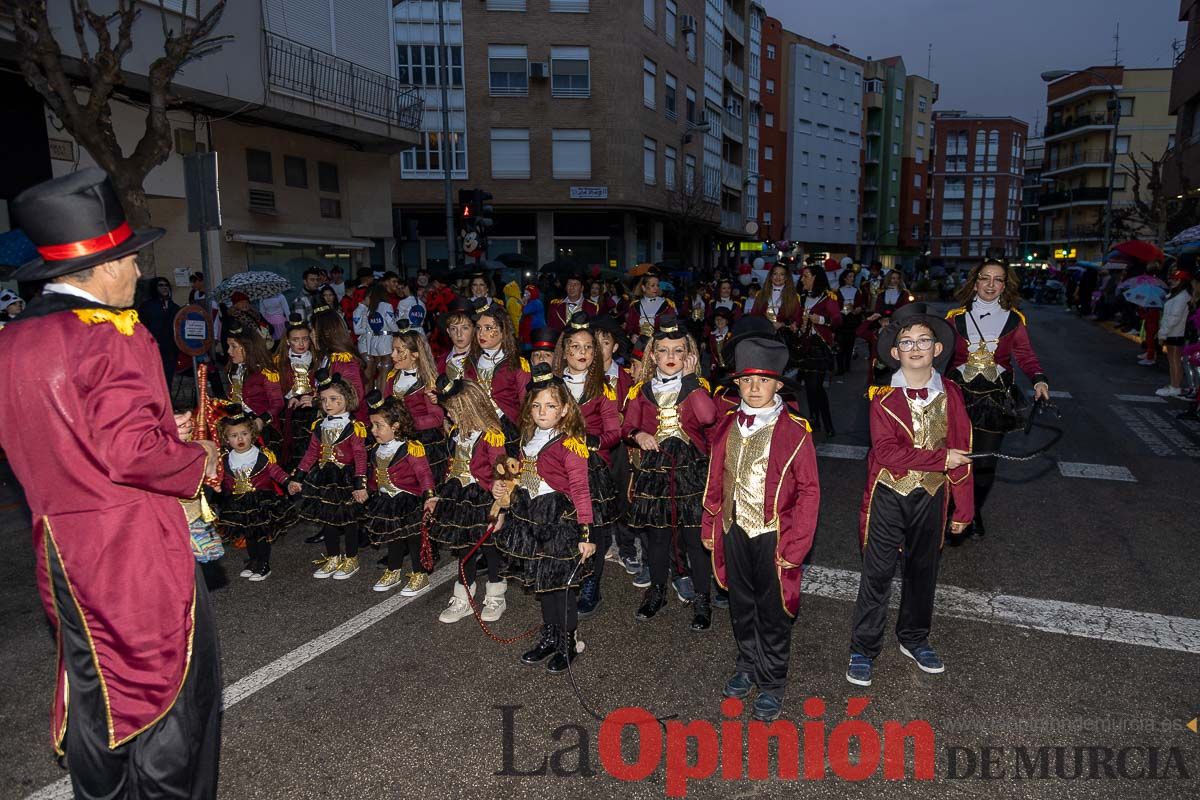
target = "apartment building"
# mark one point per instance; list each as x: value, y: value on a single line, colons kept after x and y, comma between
x: 597, y: 127
x: 1082, y: 130
x: 883, y: 102
x: 1181, y: 173
x: 303, y: 109
x: 916, y: 154
x: 773, y: 128
x: 978, y: 174
x: 1031, y: 190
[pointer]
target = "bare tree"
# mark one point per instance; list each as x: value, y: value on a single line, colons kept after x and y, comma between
x: 80, y: 89
x: 1153, y: 211
x: 690, y: 214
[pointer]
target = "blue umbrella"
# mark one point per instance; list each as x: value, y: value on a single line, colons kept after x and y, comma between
x: 16, y: 248
x: 1147, y: 296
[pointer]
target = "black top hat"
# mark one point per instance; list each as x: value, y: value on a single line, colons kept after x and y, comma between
x: 607, y: 324
x: 447, y: 387
x: 669, y: 328
x: 458, y: 305
x: 578, y: 322
x: 296, y: 322
x: 76, y: 222
x: 404, y: 325
x: 723, y: 311
x: 909, y: 314
x: 541, y: 376
x: 760, y: 356
x: 375, y: 400
x: 543, y: 339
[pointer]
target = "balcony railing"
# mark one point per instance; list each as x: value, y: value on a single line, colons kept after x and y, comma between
x: 735, y: 75
x: 873, y: 133
x: 1074, y: 233
x: 732, y: 220
x: 1100, y: 157
x: 1089, y: 194
x: 735, y: 21
x: 317, y: 76
x: 732, y: 127
x: 1078, y: 121
x: 733, y: 175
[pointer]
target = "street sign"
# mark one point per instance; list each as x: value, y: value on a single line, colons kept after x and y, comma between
x: 193, y: 330
x: 1063, y: 253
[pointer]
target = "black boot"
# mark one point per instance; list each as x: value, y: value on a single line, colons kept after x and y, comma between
x: 653, y: 601
x: 544, y: 648
x: 701, y: 612
x: 565, y: 653
x: 977, y: 528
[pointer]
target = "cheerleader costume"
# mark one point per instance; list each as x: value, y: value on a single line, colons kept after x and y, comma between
x: 334, y: 466
x: 399, y: 479
x: 252, y: 506
x: 428, y: 418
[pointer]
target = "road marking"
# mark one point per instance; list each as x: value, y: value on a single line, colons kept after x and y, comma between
x: 1053, y: 394
x: 1142, y: 431
x: 1167, y: 430
x: 1102, y: 472
x: 1141, y: 398
x: 853, y: 452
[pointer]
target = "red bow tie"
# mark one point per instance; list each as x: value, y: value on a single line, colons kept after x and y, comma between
x: 745, y: 419
x: 913, y: 394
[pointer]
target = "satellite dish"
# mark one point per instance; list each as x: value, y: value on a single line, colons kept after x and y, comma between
x: 751, y: 228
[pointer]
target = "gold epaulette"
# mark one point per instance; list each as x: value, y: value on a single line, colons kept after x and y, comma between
x: 494, y: 438
x: 391, y: 374
x: 524, y: 365
x: 266, y: 451
x: 609, y: 392
x: 955, y: 312
x: 704, y: 384
x: 341, y: 358
x: 360, y: 430
x: 123, y: 321
x: 670, y: 303
x: 801, y: 420
x: 831, y: 294
x: 879, y: 391
x: 1020, y: 315
x: 633, y: 391
x: 271, y: 375
x: 576, y: 446
x: 557, y: 300
x: 415, y: 448
x: 316, y: 422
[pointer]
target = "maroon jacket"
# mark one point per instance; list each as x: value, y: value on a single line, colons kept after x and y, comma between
x: 623, y: 384
x: 633, y: 315
x: 602, y: 419
x: 557, y: 317
x: 508, y: 385
x: 762, y: 303
x: 266, y: 476
x: 408, y: 470
x: 562, y: 464
x: 714, y: 347
x: 350, y: 449
x: 829, y: 309
x: 426, y: 415
x: 796, y: 491
x: 1014, y: 344
x: 892, y: 447
x: 697, y: 412
x: 90, y: 436
x: 261, y: 392
x: 489, y: 450
x: 346, y: 366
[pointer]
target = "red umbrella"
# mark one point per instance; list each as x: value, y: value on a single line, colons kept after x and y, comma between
x: 1142, y: 251
x: 831, y: 264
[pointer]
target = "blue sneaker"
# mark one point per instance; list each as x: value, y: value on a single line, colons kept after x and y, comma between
x: 589, y: 598
x: 767, y: 707
x: 739, y: 685
x: 926, y: 658
x: 684, y: 589
x: 642, y: 581
x: 632, y: 565
x: 720, y: 597
x: 859, y: 671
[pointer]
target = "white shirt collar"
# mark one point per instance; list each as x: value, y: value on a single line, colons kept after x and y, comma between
x: 387, y: 450
x: 652, y: 304
x: 539, y: 440
x: 613, y: 371
x: 762, y: 416
x: 934, y: 386
x: 338, y: 421
x: 304, y: 359
x: 58, y: 287
x: 246, y: 460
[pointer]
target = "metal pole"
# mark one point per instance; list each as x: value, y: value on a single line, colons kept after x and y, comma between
x: 1112, y: 174
x: 447, y: 149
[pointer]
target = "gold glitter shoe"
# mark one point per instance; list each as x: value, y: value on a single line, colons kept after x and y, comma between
x: 347, y: 567
x: 326, y: 566
x: 389, y: 580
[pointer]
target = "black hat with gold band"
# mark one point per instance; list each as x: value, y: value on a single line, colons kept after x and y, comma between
x: 238, y: 417
x: 541, y: 376
x: 321, y: 308
x: 448, y: 387
x: 296, y: 323
x: 669, y: 328
x: 375, y: 400
x: 579, y: 321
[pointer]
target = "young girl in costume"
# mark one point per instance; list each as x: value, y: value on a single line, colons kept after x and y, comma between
x: 413, y: 378
x: 667, y: 418
x: 252, y: 505
x: 294, y: 363
x: 399, y: 479
x: 374, y: 322
x: 253, y: 384
x: 461, y: 502
x: 458, y: 323
x: 546, y: 528
x: 334, y: 350
x: 648, y: 308
x: 333, y: 477
x: 496, y: 364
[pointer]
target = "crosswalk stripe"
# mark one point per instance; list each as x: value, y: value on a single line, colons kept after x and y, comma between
x: 1102, y: 472
x: 1140, y: 398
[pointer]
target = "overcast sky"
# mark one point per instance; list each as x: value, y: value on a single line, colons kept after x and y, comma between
x: 988, y: 54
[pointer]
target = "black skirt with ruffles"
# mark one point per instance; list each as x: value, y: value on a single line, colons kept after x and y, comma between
x: 668, y: 485
x: 326, y: 497
x: 606, y: 507
x: 257, y: 516
x: 993, y: 407
x: 389, y: 518
x: 462, y: 513
x: 541, y: 538
x: 297, y: 433
x: 437, y: 452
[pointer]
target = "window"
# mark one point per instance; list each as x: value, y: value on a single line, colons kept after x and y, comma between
x: 837, y: 165
x: 820, y: 191
x: 993, y: 150
x: 894, y: 176
x: 327, y: 177
x: 1126, y: 106
x: 767, y: 218
x: 258, y: 166
x: 825, y: 99
x: 857, y: 78
x: 650, y: 161
x: 572, y: 153
x: 899, y: 94
x: 570, y: 72
x: 892, y: 201
x: 824, y: 67
x: 510, y: 152
x: 648, y: 13
x: 770, y: 52
x: 804, y: 190
x: 804, y: 158
x: 822, y: 162
x: 1119, y: 181
x: 855, y: 112
x: 980, y: 149
x: 669, y: 101
x: 951, y: 248
x: 917, y: 207
x: 917, y: 180
x: 505, y: 5
x: 921, y: 129
x: 508, y: 70
x: 896, y: 121
x: 895, y: 148
x: 841, y: 73
x: 874, y: 85
x: 822, y: 132
x: 1122, y: 144
x: 669, y: 161
x: 804, y: 219
x: 767, y: 186
x: 649, y: 70
x: 770, y: 86
x: 689, y: 172
x: 768, y: 153
x: 807, y: 61
x: 331, y: 208
x: 570, y: 6
x: 841, y: 104
x: 922, y: 103
x: 420, y: 65
x: 670, y: 21
x: 295, y: 172
x: 837, y: 223
x: 690, y: 94
x: 820, y: 220
x: 837, y: 193
x: 770, y: 120
x: 807, y: 97
x: 425, y: 159
x: 920, y: 155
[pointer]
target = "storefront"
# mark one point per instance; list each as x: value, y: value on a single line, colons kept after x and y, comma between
x: 290, y: 256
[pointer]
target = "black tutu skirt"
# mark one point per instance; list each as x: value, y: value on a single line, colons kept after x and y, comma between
x: 991, y: 406
x: 437, y: 452
x: 541, y: 538
x: 813, y: 354
x: 258, y: 516
x: 606, y: 508
x: 297, y: 433
x: 387, y: 518
x: 326, y: 497
x: 462, y: 513
x: 669, y: 483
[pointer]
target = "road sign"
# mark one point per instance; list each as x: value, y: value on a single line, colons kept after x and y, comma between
x: 193, y: 330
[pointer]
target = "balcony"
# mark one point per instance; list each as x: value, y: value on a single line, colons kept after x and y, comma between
x: 874, y: 133
x: 365, y: 96
x: 1185, y: 80
x: 735, y: 23
x: 1069, y: 233
x: 1090, y: 195
x: 732, y: 127
x: 1081, y: 160
x: 1059, y: 130
x: 736, y: 76
x: 731, y: 175
x: 870, y: 213
x: 732, y: 221
x: 871, y: 158
x: 871, y: 186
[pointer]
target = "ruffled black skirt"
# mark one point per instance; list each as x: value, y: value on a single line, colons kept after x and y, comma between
x: 813, y: 354
x: 991, y: 406
x: 668, y: 485
x: 437, y: 452
x: 387, y: 518
x: 606, y: 508
x: 541, y: 538
x: 258, y: 516
x: 297, y: 433
x: 326, y: 497
x: 462, y: 513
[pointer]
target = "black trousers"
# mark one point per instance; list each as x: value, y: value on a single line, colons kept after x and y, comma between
x: 622, y: 474
x: 333, y: 536
x: 176, y: 757
x: 761, y: 626
x: 984, y: 469
x: 818, y: 399
x: 915, y: 523
x: 603, y: 538
x: 560, y: 608
x: 491, y: 555
x: 699, y: 562
x: 259, y: 550
x: 408, y: 546
x: 845, y: 342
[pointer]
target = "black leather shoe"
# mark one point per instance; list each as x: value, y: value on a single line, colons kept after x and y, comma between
x: 544, y: 648
x: 977, y: 528
x: 564, y: 654
x: 316, y: 538
x: 701, y: 613
x: 653, y: 601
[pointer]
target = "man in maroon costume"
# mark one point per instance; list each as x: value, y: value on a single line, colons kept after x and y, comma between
x: 90, y: 436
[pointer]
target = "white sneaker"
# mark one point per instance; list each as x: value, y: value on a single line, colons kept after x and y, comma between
x: 326, y: 566
x: 247, y: 572
x: 494, y: 603
x: 459, y: 606
x: 1145, y: 362
x: 1169, y: 391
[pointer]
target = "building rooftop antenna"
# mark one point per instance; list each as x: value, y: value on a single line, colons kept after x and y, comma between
x: 929, y: 63
x: 1117, y: 46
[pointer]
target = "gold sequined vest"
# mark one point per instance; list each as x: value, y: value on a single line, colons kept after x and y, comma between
x: 384, y: 479
x: 668, y: 417
x: 241, y: 480
x: 460, y: 462
x: 329, y: 438
x: 301, y: 384
x: 744, y: 498
x: 929, y: 433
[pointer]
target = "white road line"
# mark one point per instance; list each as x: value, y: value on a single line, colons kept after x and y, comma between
x: 1167, y: 430
x: 1140, y: 398
x: 1102, y: 472
x: 1139, y: 428
x: 1054, y: 395
x: 853, y: 452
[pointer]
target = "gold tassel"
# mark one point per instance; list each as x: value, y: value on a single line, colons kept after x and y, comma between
x: 271, y: 375
x: 494, y: 438
x: 341, y: 358
x: 609, y: 392
x: 415, y: 448
x: 123, y: 321
x: 879, y: 391
x: 576, y: 446
x: 360, y: 430
x: 633, y: 391
x: 270, y: 456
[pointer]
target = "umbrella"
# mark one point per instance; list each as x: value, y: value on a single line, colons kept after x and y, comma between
x: 1141, y: 280
x: 1192, y: 234
x: 640, y: 270
x: 16, y: 249
x: 1093, y: 265
x: 562, y: 266
x: 1146, y: 296
x: 257, y: 285
x: 515, y: 261
x: 1142, y: 251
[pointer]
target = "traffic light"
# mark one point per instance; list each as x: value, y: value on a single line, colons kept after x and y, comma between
x: 482, y: 209
x: 466, y: 202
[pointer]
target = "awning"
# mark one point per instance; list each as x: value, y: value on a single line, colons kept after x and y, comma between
x: 278, y: 240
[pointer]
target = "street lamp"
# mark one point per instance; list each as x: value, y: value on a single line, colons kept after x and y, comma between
x: 1115, y: 105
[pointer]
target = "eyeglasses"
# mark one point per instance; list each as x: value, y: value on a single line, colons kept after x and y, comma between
x: 906, y: 345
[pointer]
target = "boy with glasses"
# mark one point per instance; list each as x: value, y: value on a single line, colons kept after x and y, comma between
x: 917, y: 470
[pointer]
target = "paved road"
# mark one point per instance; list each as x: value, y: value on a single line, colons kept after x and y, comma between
x: 1074, y: 624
